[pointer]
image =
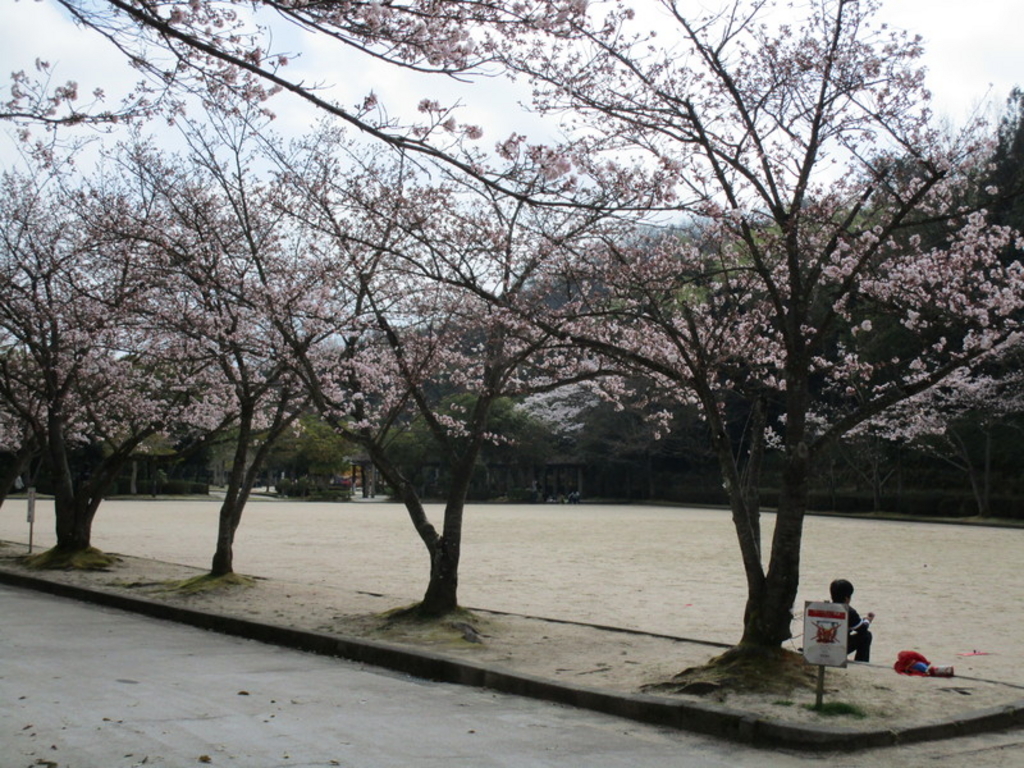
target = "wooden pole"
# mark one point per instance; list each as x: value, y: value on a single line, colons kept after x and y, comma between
x: 821, y: 687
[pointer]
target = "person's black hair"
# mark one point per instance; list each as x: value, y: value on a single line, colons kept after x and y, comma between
x: 841, y: 590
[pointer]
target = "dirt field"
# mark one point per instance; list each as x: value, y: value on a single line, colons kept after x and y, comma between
x: 944, y: 590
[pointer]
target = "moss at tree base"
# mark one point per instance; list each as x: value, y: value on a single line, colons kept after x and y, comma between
x: 744, y: 669
x: 198, y: 585
x: 411, y: 623
x: 57, y: 559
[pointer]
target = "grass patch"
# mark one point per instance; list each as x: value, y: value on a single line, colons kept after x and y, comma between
x: 837, y: 709
x: 89, y: 559
x: 199, y: 585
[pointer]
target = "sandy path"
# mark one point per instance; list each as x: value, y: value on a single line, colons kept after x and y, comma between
x: 941, y: 589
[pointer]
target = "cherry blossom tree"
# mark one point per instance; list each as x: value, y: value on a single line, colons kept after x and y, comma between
x: 409, y: 259
x: 228, y: 53
x: 33, y: 98
x: 802, y: 161
x: 82, y: 372
x: 388, y: 343
x: 232, y: 276
x: 942, y: 421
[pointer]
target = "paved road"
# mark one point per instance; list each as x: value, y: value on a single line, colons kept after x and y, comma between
x: 88, y: 687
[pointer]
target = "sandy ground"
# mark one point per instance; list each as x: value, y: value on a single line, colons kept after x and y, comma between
x: 951, y: 592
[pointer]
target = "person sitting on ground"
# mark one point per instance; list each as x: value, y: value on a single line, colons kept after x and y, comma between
x: 913, y: 663
x: 859, y: 639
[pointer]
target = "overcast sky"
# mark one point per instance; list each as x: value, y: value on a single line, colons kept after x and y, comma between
x: 975, y: 55
x: 973, y: 50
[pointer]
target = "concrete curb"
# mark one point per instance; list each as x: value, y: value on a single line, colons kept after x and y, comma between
x: 723, y: 722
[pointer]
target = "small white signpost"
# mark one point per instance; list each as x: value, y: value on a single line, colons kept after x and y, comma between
x: 30, y: 497
x: 825, y: 636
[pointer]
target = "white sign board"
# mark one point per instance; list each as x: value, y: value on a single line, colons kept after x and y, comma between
x: 825, y: 634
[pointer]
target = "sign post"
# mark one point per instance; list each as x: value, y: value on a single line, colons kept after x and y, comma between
x: 826, y: 628
x: 30, y: 496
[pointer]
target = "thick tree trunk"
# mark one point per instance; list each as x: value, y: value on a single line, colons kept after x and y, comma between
x: 245, y: 470
x: 442, y: 595
x: 444, y: 549
x: 224, y: 556
x: 75, y: 515
x: 741, y: 488
x: 230, y: 510
x: 769, y: 613
x: 751, y: 475
x: 235, y: 499
x: 72, y: 534
x: 75, y: 518
x: 81, y: 536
